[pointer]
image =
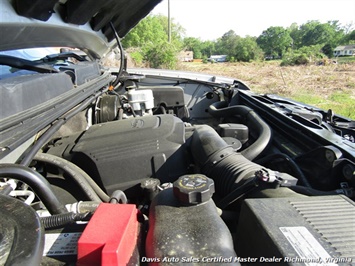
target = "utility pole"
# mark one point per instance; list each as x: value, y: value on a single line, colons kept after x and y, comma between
x: 169, y: 23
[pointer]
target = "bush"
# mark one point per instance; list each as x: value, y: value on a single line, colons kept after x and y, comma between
x: 303, y: 56
x: 162, y: 55
x: 231, y: 59
x: 137, y: 57
x: 295, y: 59
x: 204, y: 59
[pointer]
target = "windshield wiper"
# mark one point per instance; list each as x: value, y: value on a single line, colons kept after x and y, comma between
x: 21, y: 63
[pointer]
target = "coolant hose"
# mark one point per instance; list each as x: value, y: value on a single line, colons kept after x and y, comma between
x: 219, y: 161
x: 37, y: 182
x: 253, y: 122
x: 90, y: 188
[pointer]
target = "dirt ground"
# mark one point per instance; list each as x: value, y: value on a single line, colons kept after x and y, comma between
x: 320, y: 84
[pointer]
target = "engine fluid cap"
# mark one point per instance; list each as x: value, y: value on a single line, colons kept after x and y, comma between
x: 193, y: 189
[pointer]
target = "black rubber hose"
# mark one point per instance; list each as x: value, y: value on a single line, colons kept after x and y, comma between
x: 61, y: 220
x: 220, y: 162
x: 37, y: 182
x: 118, y: 196
x: 88, y: 185
x: 253, y: 122
x: 311, y: 191
x: 298, y: 172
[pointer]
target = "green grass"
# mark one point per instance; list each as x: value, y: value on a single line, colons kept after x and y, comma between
x: 346, y: 59
x: 308, y: 98
x: 329, y: 86
x: 341, y: 103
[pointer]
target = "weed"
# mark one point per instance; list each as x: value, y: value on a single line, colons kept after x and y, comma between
x: 328, y: 86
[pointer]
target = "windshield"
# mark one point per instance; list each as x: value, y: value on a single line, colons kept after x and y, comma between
x: 37, y: 60
x: 32, y: 53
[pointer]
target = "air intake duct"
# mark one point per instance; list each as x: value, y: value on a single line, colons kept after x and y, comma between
x: 220, y: 162
x: 260, y: 129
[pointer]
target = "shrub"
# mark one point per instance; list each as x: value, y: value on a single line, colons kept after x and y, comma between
x: 302, y: 56
x: 137, y: 57
x: 162, y: 55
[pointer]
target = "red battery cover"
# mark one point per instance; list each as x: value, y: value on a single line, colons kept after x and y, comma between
x: 110, y: 236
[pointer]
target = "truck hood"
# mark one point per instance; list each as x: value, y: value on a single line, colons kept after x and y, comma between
x: 71, y: 23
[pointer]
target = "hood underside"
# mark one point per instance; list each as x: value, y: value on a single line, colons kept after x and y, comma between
x: 83, y: 24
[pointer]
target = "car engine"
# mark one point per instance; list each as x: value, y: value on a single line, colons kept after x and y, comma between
x: 158, y: 168
x: 102, y: 164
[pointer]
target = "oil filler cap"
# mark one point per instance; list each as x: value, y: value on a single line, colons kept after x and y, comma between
x: 193, y: 189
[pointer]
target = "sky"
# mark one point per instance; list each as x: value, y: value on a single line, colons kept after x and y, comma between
x: 210, y: 19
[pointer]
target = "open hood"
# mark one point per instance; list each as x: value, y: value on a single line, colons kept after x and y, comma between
x: 83, y: 24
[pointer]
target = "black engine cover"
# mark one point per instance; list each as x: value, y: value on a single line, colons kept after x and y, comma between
x: 120, y: 154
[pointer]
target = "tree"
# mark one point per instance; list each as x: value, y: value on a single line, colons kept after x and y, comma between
x: 247, y: 50
x: 148, y: 31
x: 329, y: 35
x: 296, y: 36
x: 150, y: 38
x: 275, y: 41
x: 349, y: 38
x: 348, y: 27
x: 195, y: 45
x: 227, y: 43
x: 326, y: 33
x: 177, y: 31
x: 208, y: 48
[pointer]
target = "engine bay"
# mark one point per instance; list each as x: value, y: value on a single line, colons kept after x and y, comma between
x: 106, y: 165
x: 173, y: 168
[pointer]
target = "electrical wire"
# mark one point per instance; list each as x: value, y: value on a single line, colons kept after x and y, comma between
x: 121, y: 54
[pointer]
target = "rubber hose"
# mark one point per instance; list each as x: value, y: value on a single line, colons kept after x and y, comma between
x: 300, y: 176
x: 118, y: 196
x: 220, y: 162
x: 253, y: 122
x: 37, y: 182
x: 90, y: 188
x: 61, y: 220
x: 311, y: 191
x: 234, y: 169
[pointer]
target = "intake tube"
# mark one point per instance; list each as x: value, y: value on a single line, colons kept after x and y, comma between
x: 253, y: 122
x: 219, y: 161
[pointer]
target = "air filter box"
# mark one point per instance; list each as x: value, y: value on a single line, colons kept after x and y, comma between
x: 298, y: 231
